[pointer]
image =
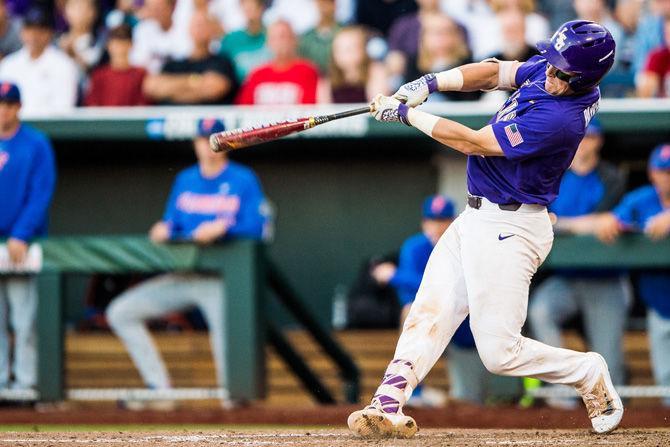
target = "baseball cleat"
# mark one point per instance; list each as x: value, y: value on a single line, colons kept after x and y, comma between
x: 371, y: 422
x: 603, y: 402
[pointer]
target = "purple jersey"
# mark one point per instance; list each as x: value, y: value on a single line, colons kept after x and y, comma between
x: 539, y: 134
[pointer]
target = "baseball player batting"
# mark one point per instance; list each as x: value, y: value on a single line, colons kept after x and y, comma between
x: 484, y: 262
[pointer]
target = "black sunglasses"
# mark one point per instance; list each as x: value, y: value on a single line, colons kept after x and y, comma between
x: 563, y: 76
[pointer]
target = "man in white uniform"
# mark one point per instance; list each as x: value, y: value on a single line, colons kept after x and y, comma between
x: 484, y: 262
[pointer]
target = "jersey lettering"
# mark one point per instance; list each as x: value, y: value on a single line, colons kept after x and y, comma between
x: 590, y: 111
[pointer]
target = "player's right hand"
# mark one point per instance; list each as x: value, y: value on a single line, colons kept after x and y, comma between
x: 160, y: 232
x: 416, y: 92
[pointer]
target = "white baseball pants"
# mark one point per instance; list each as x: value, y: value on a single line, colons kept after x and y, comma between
x: 483, y: 265
x: 127, y: 315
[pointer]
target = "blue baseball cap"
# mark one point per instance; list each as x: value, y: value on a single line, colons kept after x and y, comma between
x: 9, y: 92
x: 438, y: 207
x: 208, y: 126
x: 660, y: 157
x: 594, y: 127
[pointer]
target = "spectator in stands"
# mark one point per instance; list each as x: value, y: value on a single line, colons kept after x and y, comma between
x: 557, y: 11
x: 513, y: 31
x: 215, y: 200
x: 315, y: 44
x: 246, y: 47
x: 600, y: 297
x: 649, y: 34
x: 380, y: 14
x: 156, y: 38
x: 467, y: 374
x: 353, y: 76
x: 80, y: 41
x: 10, y: 32
x: 442, y: 46
x: 620, y: 78
x: 202, y: 78
x: 27, y: 179
x: 286, y: 79
x: 306, y: 19
x: 654, y: 80
x: 647, y: 210
x: 117, y: 83
x: 403, y: 40
x: 46, y: 76
x: 483, y: 28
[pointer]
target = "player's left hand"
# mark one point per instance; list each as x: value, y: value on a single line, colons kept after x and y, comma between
x: 416, y: 92
x: 658, y: 226
x: 389, y: 110
x: 17, y: 249
x: 208, y: 232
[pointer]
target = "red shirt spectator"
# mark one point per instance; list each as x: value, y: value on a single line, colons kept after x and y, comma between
x: 268, y: 85
x: 286, y: 79
x: 658, y: 63
x: 117, y: 84
x: 111, y: 87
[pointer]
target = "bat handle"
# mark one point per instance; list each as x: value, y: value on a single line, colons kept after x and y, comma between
x: 345, y: 114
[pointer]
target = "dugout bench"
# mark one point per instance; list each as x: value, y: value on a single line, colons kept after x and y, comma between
x: 242, y: 264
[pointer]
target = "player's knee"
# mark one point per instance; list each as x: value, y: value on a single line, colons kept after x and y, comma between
x: 118, y: 314
x: 498, y: 354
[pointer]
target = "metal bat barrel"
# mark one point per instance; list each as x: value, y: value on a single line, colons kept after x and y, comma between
x: 239, y: 138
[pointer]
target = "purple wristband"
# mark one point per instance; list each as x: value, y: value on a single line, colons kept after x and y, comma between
x: 431, y: 81
x: 403, y: 110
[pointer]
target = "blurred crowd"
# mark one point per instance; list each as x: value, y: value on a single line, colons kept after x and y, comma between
x: 72, y: 53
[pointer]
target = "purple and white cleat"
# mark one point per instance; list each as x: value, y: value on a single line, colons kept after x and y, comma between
x: 384, y: 418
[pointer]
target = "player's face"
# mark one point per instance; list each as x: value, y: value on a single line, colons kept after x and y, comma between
x: 203, y: 152
x: 435, y: 228
x: 554, y: 85
x: 9, y: 115
x: 660, y: 178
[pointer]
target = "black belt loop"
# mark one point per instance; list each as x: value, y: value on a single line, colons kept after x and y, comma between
x: 476, y: 203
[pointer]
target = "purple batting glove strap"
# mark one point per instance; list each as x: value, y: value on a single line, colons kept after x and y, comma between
x: 431, y: 81
x: 403, y: 110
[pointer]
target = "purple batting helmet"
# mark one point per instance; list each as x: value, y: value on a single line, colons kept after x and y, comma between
x: 583, y: 48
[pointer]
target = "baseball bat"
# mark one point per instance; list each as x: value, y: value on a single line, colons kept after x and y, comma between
x: 249, y: 136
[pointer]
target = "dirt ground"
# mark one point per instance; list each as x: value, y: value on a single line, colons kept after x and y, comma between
x: 340, y: 437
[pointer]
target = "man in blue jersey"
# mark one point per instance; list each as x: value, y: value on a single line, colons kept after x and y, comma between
x: 647, y: 210
x: 467, y: 376
x: 214, y: 200
x: 27, y: 180
x: 484, y: 262
x: 600, y: 297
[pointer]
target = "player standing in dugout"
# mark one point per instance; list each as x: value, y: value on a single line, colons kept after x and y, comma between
x: 484, y: 262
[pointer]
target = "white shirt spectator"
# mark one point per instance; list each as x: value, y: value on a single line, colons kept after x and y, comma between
x: 484, y: 34
x: 286, y: 10
x: 152, y: 45
x: 228, y: 13
x: 48, y: 84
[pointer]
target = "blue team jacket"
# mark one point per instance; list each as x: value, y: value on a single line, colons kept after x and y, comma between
x: 234, y: 195
x: 27, y: 181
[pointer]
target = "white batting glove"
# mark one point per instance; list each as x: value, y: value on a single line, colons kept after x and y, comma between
x: 389, y: 110
x: 416, y: 92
